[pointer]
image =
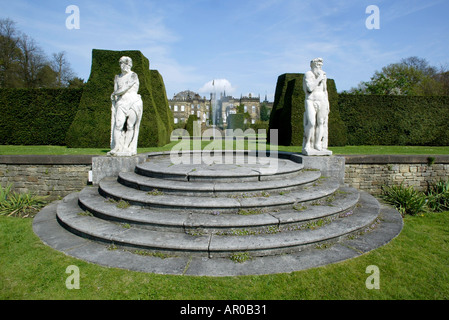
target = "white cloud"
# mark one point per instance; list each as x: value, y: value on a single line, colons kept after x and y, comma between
x: 217, y: 85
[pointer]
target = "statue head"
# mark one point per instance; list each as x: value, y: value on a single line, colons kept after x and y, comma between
x: 316, y: 63
x: 126, y: 63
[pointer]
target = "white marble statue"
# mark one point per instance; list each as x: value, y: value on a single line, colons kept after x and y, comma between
x: 127, y: 107
x: 316, y: 113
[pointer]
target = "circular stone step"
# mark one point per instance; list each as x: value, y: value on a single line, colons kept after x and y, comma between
x: 196, y: 223
x: 110, y: 188
x: 75, y: 220
x: 210, y: 188
x: 237, y: 169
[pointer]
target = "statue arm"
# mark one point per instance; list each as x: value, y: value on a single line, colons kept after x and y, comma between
x: 115, y: 89
x: 134, y: 80
x: 311, y: 82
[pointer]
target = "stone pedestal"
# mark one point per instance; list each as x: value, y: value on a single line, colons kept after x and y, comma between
x: 330, y: 166
x: 109, y: 166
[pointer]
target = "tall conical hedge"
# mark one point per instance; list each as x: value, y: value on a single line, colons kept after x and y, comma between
x: 288, y: 111
x: 91, y: 127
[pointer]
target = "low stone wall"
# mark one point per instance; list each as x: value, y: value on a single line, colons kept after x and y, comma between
x: 58, y: 176
x: 51, y: 176
x: 371, y: 172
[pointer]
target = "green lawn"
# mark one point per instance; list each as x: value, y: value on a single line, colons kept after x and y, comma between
x: 412, y: 266
x: 61, y: 150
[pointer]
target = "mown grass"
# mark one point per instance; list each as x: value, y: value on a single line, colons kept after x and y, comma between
x: 61, y: 150
x: 412, y: 266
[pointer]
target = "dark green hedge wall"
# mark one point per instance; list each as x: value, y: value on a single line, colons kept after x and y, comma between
x: 395, y: 120
x: 92, y: 124
x: 37, y: 116
x: 288, y: 111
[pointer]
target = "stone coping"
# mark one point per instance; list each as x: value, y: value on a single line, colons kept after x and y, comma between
x: 395, y: 158
x: 349, y: 159
x: 47, y: 159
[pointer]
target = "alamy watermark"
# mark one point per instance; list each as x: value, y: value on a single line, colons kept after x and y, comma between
x: 189, y: 151
x: 73, y: 280
x: 373, y: 20
x: 73, y: 20
x: 373, y: 281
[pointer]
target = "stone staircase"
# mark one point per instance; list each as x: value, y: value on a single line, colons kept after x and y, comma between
x: 218, y: 210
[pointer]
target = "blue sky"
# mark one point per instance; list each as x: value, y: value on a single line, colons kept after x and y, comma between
x: 249, y: 43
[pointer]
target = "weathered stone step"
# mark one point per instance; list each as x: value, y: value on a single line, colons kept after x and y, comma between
x: 156, y: 219
x: 183, y: 187
x: 110, y: 188
x: 249, y: 169
x: 72, y: 218
x: 293, y: 241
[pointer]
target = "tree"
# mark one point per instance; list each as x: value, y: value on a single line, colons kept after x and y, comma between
x: 31, y: 61
x: 411, y: 76
x: 62, y: 68
x: 23, y: 64
x: 75, y: 83
x: 45, y: 77
x: 264, y: 112
x: 9, y: 54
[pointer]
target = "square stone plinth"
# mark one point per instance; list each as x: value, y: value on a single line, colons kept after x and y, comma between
x: 330, y: 166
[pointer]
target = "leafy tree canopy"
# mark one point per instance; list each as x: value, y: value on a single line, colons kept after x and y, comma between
x: 410, y: 76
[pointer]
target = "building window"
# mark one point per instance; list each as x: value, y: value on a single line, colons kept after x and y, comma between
x: 253, y: 121
x: 176, y: 120
x: 198, y: 114
x: 245, y: 109
x: 176, y: 108
x: 254, y: 109
x: 183, y: 108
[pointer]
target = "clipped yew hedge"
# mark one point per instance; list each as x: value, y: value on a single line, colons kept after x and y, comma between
x: 395, y: 120
x: 37, y: 116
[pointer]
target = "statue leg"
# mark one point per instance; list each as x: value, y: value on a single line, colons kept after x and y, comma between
x: 118, y: 131
x: 130, y: 126
x: 309, y: 125
x: 320, y: 126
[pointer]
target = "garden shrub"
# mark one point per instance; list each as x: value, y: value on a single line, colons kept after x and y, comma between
x: 438, y: 196
x: 189, y: 124
x: 407, y: 200
x: 19, y: 204
x: 236, y: 121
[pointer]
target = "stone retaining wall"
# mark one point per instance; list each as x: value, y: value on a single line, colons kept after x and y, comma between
x: 52, y: 176
x: 57, y: 176
x: 370, y: 173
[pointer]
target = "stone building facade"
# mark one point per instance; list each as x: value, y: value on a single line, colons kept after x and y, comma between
x: 186, y: 103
